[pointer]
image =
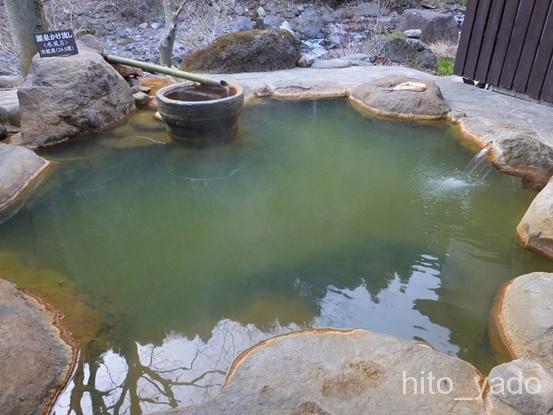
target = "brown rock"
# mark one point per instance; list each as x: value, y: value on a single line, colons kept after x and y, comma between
x: 384, y: 97
x: 535, y: 230
x: 523, y: 318
x: 36, y: 362
x: 327, y: 371
x: 20, y: 171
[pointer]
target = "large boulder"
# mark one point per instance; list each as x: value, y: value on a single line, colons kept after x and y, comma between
x: 36, y: 361
x: 535, y: 230
x: 522, y: 320
x: 329, y: 371
x: 251, y: 51
x: 410, y: 52
x: 402, y: 97
x: 434, y: 26
x: 20, y: 171
x: 66, y: 96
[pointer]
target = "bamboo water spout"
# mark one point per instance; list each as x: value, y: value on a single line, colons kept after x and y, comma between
x: 150, y: 67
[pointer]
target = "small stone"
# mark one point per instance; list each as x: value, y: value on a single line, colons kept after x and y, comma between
x: 413, y: 33
x: 261, y: 12
x: 286, y: 26
x: 306, y: 61
x: 141, y: 98
x: 155, y: 25
x: 239, y: 10
x: 143, y: 25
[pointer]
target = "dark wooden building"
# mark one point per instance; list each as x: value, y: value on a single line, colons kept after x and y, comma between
x: 509, y: 44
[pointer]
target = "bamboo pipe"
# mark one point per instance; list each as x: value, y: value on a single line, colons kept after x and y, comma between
x: 150, y: 67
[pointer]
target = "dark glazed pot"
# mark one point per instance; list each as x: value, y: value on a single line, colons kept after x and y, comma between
x: 200, y: 114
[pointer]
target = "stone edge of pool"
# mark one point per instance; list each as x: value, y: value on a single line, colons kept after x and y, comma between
x: 519, y: 139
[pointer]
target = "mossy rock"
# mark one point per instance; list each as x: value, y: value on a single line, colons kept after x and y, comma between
x: 251, y: 51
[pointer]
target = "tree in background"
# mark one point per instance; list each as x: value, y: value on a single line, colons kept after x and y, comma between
x: 171, y: 12
x: 25, y: 17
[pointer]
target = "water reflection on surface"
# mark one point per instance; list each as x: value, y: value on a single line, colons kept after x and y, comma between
x: 168, y: 261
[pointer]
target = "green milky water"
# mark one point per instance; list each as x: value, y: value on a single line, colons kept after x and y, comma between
x: 314, y: 216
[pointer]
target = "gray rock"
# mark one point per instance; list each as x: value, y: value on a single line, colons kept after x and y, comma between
x: 330, y: 371
x: 141, y: 98
x: 413, y: 33
x: 309, y: 25
x: 382, y: 97
x: 520, y: 387
x: 434, y: 26
x: 523, y: 317
x: 3, y: 115
x: 20, y: 170
x: 411, y: 52
x: 331, y: 63
x: 14, y: 115
x: 144, y: 25
x: 155, y: 25
x: 35, y: 360
x: 306, y: 61
x: 371, y: 9
x: 243, y: 24
x: 286, y: 26
x: 92, y: 43
x: 9, y: 81
x: 359, y: 59
x: 520, y: 152
x: 272, y: 21
x: 252, y: 51
x: 66, y: 96
x: 239, y: 10
x: 261, y: 12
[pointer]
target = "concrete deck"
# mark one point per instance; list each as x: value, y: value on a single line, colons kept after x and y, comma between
x: 481, y: 113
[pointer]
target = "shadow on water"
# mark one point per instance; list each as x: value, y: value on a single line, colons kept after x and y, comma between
x: 186, y: 256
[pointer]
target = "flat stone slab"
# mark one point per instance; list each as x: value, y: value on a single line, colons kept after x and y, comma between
x: 36, y: 362
x: 523, y: 318
x: 327, y: 371
x: 20, y: 171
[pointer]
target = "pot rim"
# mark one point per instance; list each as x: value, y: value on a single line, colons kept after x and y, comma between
x: 160, y: 95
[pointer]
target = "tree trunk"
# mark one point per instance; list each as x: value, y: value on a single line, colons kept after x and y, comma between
x: 25, y: 17
x: 168, y: 39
